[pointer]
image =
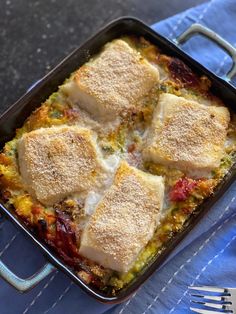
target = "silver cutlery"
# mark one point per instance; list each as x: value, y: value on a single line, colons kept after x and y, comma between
x: 213, y: 300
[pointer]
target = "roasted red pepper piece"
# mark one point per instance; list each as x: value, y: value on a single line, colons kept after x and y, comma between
x: 65, y: 236
x: 181, y: 190
x: 181, y: 72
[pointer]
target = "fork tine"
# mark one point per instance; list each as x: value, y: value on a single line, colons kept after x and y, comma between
x: 204, y: 311
x: 212, y: 297
x: 209, y: 289
x: 225, y: 307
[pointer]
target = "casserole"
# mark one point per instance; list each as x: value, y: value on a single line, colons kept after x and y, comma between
x: 49, y: 84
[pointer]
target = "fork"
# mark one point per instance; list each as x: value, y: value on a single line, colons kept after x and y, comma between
x: 213, y: 300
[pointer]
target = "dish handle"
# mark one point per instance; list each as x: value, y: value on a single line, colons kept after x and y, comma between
x: 203, y: 30
x: 21, y: 284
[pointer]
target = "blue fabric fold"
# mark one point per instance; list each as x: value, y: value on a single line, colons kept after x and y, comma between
x: 206, y: 256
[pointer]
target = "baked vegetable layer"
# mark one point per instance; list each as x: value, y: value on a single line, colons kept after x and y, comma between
x: 61, y: 223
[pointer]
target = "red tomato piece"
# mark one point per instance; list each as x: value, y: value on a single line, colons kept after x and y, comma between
x: 181, y: 190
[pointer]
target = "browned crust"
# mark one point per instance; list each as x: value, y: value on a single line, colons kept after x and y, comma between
x: 55, y: 162
x: 187, y: 135
x: 125, y: 219
x: 116, y: 79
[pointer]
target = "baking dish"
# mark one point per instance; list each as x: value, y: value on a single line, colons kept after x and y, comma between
x: 15, y: 116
